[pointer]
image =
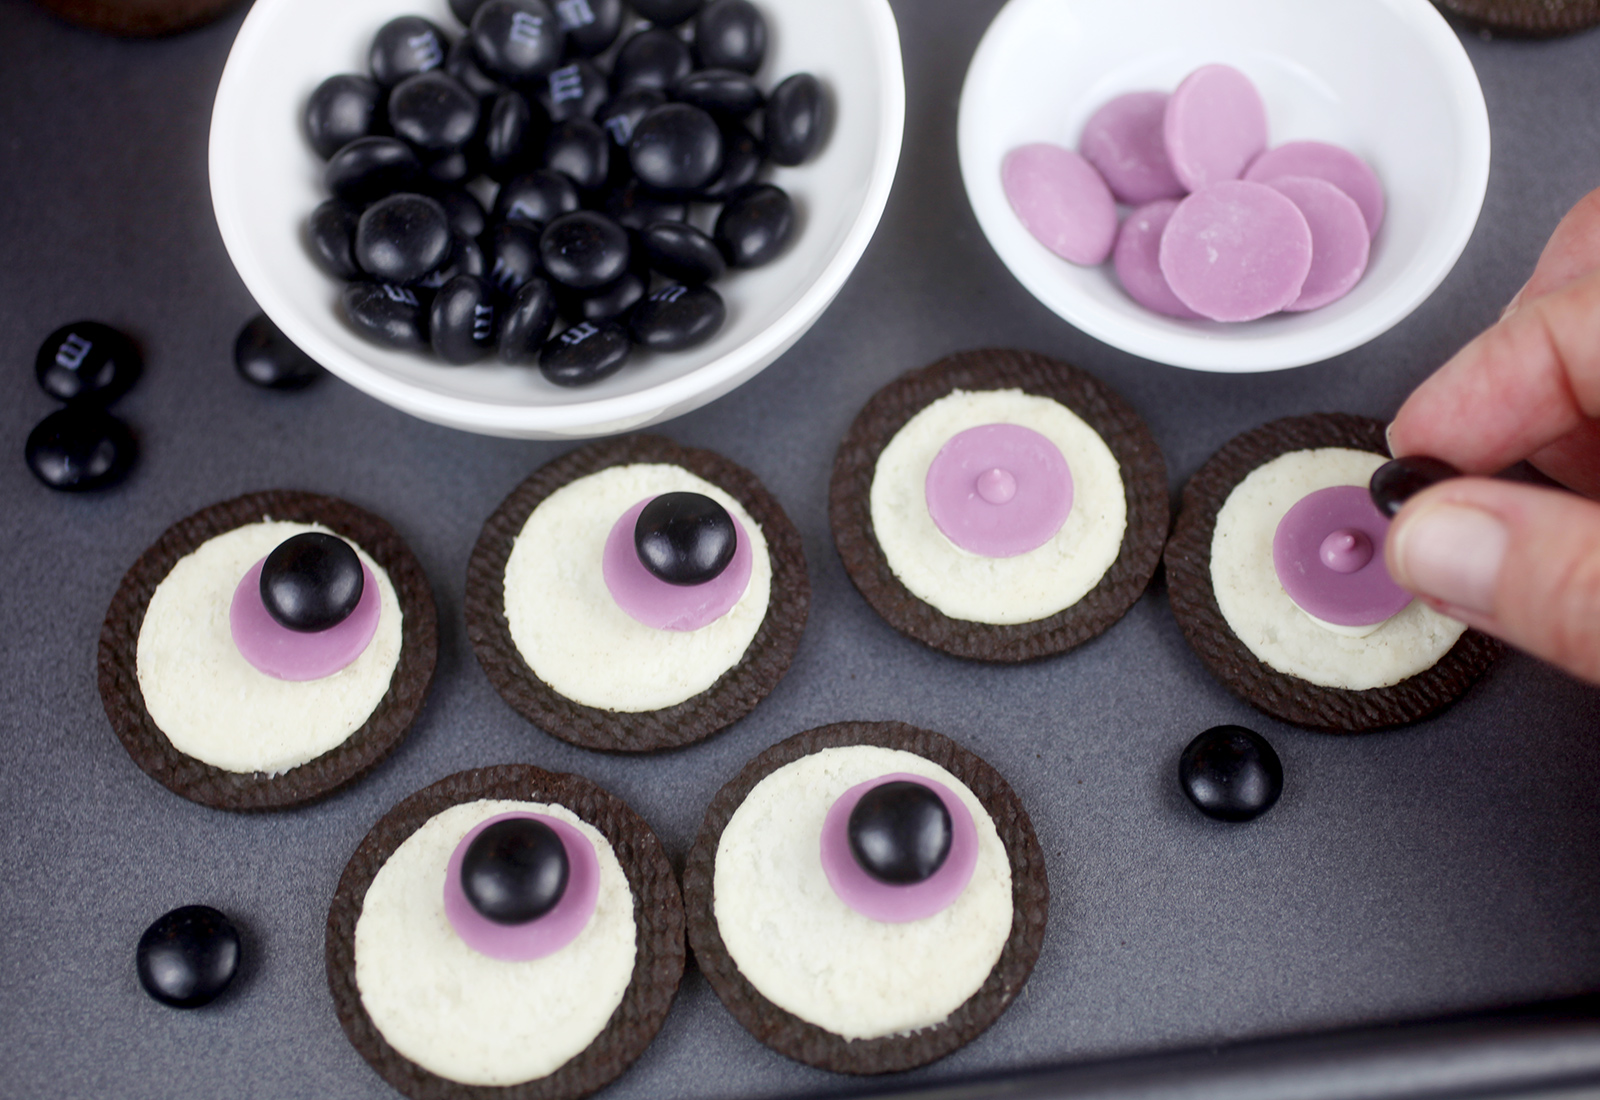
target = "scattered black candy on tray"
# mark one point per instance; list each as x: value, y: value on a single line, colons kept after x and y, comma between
x: 1231, y: 773
x: 677, y: 317
x: 515, y: 871
x: 575, y: 89
x: 404, y: 47
x: 525, y: 324
x: 585, y: 353
x: 401, y: 238
x: 900, y: 832
x: 266, y: 357
x: 311, y: 582
x: 681, y: 252
x: 684, y: 538
x: 79, y: 448
x: 87, y: 361
x: 188, y: 956
x: 371, y: 167
x: 581, y: 150
x: 344, y: 107
x: 516, y: 40
x: 386, y: 314
x: 730, y: 34
x: 591, y: 25
x: 666, y: 13
x: 461, y: 321
x: 536, y: 199
x: 676, y: 148
x: 793, y: 123
x: 1400, y: 479
x: 755, y: 225
x: 584, y: 250
x: 720, y: 91
x: 652, y: 58
x: 434, y: 112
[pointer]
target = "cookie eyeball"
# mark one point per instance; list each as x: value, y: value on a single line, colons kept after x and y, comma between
x: 900, y: 833
x: 311, y: 582
x: 684, y: 538
x: 515, y: 871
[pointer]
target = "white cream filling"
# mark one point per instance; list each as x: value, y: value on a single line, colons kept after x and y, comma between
x: 216, y: 706
x: 463, y: 1015
x: 1270, y: 624
x: 811, y: 954
x: 968, y: 586
x: 572, y: 633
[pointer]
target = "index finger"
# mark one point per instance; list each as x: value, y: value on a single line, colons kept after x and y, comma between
x: 1519, y: 387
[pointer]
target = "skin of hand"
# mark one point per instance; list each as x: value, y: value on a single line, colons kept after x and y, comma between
x: 1514, y: 560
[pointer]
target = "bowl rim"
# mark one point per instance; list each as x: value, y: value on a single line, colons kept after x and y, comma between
x: 668, y: 397
x: 1212, y: 350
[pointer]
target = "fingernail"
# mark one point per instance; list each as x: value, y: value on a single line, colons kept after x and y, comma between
x: 1400, y: 479
x: 1388, y: 436
x: 1452, y: 553
x: 1513, y: 305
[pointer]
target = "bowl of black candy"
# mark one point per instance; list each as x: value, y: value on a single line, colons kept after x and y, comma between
x: 553, y: 218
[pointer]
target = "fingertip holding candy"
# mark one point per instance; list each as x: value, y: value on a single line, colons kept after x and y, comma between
x: 1215, y: 125
x: 1061, y: 200
x: 1124, y: 141
x: 1319, y: 160
x: 1137, y: 259
x: 1339, y: 240
x: 1236, y: 251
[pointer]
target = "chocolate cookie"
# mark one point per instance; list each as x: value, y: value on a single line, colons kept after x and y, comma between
x: 730, y: 698
x: 140, y: 18
x: 657, y: 914
x: 350, y: 759
x: 1194, y: 600
x: 1142, y: 468
x: 1527, y: 18
x: 806, y: 1042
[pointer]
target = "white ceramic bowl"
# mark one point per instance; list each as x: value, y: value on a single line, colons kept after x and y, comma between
x: 265, y: 181
x: 1386, y: 79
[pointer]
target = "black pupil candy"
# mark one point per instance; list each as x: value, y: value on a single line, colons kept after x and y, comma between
x: 900, y: 832
x: 79, y: 448
x: 311, y: 582
x: 515, y: 871
x: 1231, y: 773
x: 188, y: 956
x: 87, y: 361
x: 1400, y: 479
x: 684, y: 538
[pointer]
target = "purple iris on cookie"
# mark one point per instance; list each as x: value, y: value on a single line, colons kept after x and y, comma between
x: 521, y: 886
x: 306, y: 610
x: 1328, y: 553
x: 999, y: 490
x: 677, y: 561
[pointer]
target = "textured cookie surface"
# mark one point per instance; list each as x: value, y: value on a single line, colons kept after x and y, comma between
x: 806, y: 1042
x: 730, y: 698
x: 657, y: 915
x: 1533, y: 18
x: 1194, y: 600
x: 345, y: 762
x: 1144, y: 477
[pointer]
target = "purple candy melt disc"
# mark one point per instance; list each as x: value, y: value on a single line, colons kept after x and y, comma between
x: 294, y: 655
x: 1328, y: 553
x: 1319, y: 160
x: 539, y: 937
x: 1124, y: 140
x: 897, y: 904
x: 1062, y: 201
x: 1339, y: 239
x: 1236, y: 251
x: 655, y: 603
x: 1214, y: 127
x: 999, y: 490
x: 1137, y: 259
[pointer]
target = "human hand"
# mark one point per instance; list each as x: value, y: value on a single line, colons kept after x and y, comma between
x: 1516, y: 561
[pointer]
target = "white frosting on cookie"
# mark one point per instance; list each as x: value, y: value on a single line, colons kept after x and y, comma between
x: 572, y: 633
x: 1020, y: 589
x: 808, y: 952
x: 1270, y: 624
x: 216, y: 706
x: 463, y: 1015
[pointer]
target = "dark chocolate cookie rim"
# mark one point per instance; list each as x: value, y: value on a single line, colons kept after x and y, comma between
x: 1144, y: 477
x: 1194, y: 600
x: 1527, y: 18
x: 658, y: 928
x: 734, y: 694
x: 805, y: 1042
x: 341, y: 765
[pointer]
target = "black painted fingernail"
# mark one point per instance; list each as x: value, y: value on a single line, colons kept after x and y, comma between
x: 1400, y: 479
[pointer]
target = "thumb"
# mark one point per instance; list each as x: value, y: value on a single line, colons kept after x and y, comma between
x: 1516, y: 561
